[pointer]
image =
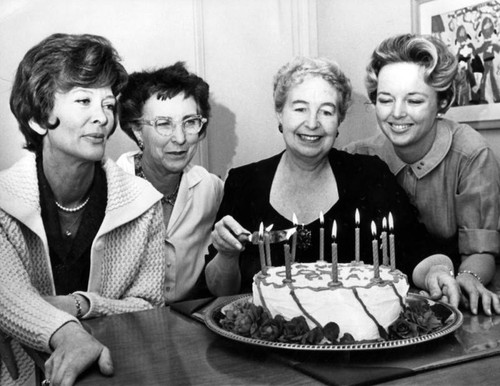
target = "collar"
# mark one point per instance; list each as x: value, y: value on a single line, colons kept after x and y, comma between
x: 438, y: 151
x: 440, y: 147
x: 194, y: 174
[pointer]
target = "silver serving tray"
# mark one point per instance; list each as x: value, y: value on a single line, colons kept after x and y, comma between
x: 212, y: 316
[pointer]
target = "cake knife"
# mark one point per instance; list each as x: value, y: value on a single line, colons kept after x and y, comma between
x: 274, y: 236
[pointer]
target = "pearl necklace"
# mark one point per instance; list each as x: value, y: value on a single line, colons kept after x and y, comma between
x: 75, y: 209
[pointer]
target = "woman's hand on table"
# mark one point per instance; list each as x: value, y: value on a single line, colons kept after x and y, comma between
x: 229, y: 236
x: 475, y: 292
x: 75, y: 350
x: 442, y: 286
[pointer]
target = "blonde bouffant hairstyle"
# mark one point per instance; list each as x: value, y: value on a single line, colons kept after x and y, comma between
x: 439, y: 63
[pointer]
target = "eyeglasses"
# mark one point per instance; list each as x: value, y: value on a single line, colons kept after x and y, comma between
x: 166, y: 126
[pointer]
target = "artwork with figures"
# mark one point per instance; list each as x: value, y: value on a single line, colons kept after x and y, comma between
x: 472, y: 33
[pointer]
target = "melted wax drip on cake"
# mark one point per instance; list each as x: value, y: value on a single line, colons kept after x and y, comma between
x: 401, y: 300
x: 381, y: 330
x: 299, y: 304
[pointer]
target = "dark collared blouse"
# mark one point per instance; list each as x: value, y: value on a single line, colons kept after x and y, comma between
x: 364, y: 183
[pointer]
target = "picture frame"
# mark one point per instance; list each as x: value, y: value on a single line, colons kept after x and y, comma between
x: 471, y: 29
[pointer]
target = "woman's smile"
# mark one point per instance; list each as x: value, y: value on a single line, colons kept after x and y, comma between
x: 400, y: 127
x: 309, y: 138
x: 96, y: 138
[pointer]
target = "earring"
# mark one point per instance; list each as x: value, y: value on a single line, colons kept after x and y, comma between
x: 138, y: 140
x: 37, y: 128
x: 280, y: 127
x: 439, y: 116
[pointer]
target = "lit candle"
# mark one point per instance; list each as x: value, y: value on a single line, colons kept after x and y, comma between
x: 392, y: 248
x: 261, y: 249
x: 383, y: 236
x: 375, y: 252
x: 321, y: 237
x: 288, y: 263
x: 267, y: 243
x: 335, y: 274
x: 356, y: 236
x: 294, y: 237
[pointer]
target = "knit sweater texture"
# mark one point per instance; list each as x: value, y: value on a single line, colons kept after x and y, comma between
x: 127, y: 271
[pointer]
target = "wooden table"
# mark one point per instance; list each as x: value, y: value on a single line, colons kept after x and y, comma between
x: 163, y: 347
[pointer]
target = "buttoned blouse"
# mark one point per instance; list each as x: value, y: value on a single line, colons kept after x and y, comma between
x: 455, y: 186
x: 189, y: 228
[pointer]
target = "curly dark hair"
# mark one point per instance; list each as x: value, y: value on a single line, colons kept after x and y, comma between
x: 59, y: 63
x: 166, y: 82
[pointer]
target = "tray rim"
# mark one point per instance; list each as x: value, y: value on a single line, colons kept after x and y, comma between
x: 453, y: 325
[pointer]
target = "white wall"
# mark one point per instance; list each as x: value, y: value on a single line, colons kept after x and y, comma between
x: 348, y: 31
x: 236, y: 45
x: 156, y: 35
x: 245, y: 43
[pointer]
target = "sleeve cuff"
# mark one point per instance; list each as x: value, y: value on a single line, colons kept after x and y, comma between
x: 472, y: 241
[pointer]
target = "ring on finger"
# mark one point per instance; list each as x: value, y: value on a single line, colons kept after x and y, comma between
x: 46, y: 382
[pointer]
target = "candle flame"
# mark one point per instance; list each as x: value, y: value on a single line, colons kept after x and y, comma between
x: 294, y: 220
x: 321, y: 218
x: 334, y: 230
x: 290, y: 232
x: 391, y: 222
x: 374, y: 229
x: 384, y: 224
x: 356, y: 217
x: 261, y: 230
x: 268, y: 229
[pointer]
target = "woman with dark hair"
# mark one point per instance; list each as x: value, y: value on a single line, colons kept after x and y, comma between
x: 446, y: 168
x: 166, y: 113
x: 79, y: 237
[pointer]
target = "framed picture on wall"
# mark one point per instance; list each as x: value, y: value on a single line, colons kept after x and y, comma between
x: 471, y: 29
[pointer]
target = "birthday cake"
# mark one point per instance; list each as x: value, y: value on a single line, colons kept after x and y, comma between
x: 360, y: 305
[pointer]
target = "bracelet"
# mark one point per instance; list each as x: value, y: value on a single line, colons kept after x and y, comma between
x: 450, y: 270
x: 470, y: 273
x: 78, y: 304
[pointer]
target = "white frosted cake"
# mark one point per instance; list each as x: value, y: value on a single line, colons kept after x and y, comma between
x: 359, y: 304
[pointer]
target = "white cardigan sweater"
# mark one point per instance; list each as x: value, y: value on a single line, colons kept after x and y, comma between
x: 127, y: 271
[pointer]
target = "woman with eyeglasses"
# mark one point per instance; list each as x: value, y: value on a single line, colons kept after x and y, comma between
x: 166, y: 113
x: 311, y: 97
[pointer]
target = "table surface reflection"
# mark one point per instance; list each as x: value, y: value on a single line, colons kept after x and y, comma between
x: 161, y: 346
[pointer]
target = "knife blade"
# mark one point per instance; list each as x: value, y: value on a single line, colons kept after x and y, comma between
x: 274, y: 236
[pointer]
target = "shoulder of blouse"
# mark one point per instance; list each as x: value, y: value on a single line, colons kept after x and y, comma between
x: 255, y: 171
x: 359, y: 164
